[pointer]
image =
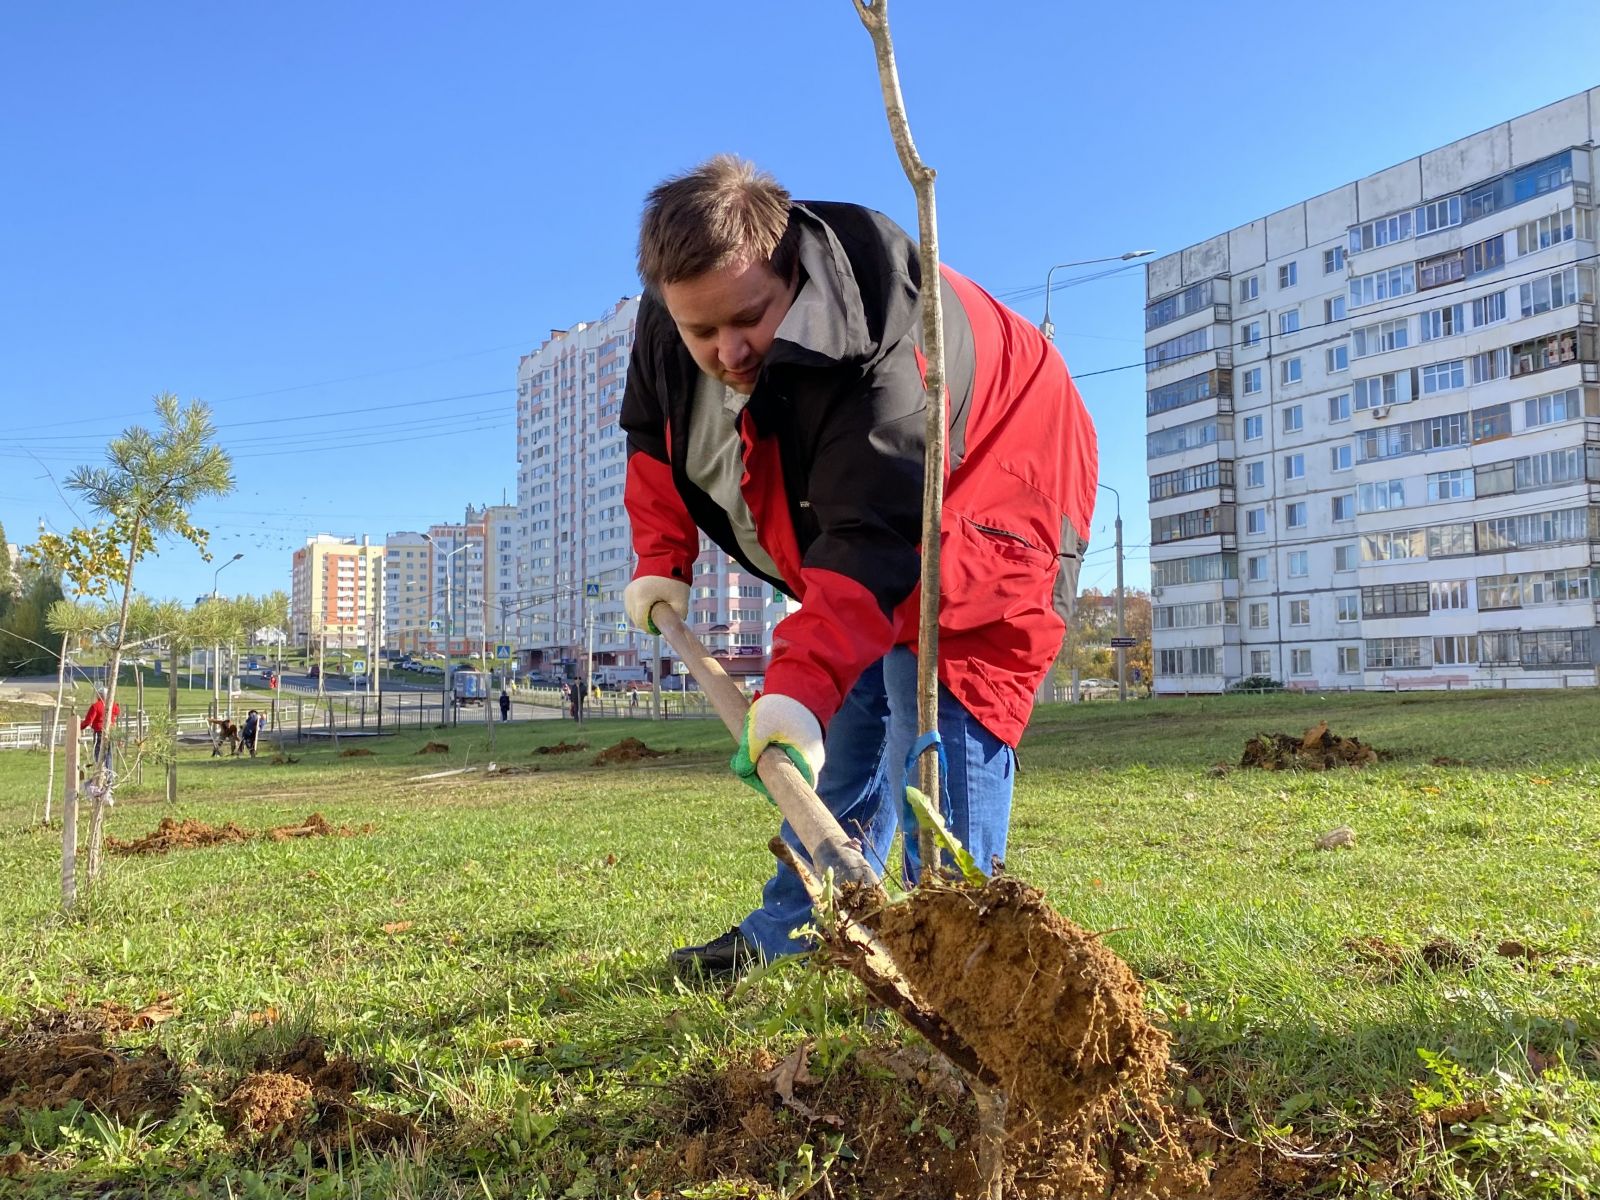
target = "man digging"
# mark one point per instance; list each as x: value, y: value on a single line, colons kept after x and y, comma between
x: 775, y: 401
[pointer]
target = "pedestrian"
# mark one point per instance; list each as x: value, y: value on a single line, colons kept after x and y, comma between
x: 576, y: 700
x: 633, y: 695
x: 95, y: 719
x: 505, y: 705
x: 252, y: 729
x: 775, y: 403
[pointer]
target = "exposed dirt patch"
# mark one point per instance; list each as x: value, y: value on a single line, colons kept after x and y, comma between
x: 283, y: 760
x: 628, y: 750
x: 562, y: 747
x: 356, y: 752
x: 1436, y: 953
x: 1047, y: 1006
x: 1444, y: 760
x: 435, y: 748
x: 60, y: 1057
x: 1317, y: 749
x: 316, y: 825
x: 303, y: 1095
x: 179, y: 835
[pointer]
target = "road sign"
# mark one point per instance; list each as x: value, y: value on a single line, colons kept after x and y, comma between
x: 1124, y: 643
x: 591, y: 591
x: 434, y: 625
x: 358, y: 667
x: 502, y: 650
x: 622, y: 627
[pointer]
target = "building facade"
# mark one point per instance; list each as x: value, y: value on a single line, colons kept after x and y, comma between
x: 1373, y: 427
x: 577, y: 549
x: 335, y: 592
x: 450, y: 590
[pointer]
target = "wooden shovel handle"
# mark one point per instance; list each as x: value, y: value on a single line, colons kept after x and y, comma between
x: 819, y: 832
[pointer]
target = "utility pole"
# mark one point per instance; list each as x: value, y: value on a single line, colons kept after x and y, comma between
x: 588, y: 682
x: 1122, y: 628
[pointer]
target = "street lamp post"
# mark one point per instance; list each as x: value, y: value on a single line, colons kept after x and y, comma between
x: 1122, y: 628
x: 1046, y: 327
x: 449, y: 611
x: 216, y: 647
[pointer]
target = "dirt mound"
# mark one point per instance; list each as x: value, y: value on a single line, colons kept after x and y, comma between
x: 562, y: 747
x: 1046, y: 1005
x: 303, y: 1095
x: 46, y: 1067
x: 179, y: 835
x: 316, y: 825
x: 283, y: 760
x: 435, y: 748
x: 628, y: 750
x: 908, y: 1124
x: 356, y: 752
x: 1316, y: 749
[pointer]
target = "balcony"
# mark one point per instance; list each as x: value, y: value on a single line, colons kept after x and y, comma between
x: 1547, y: 353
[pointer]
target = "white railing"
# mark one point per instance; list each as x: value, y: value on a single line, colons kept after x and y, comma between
x: 33, y: 737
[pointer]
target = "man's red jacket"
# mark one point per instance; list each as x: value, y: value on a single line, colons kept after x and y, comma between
x: 95, y: 718
x: 833, y: 437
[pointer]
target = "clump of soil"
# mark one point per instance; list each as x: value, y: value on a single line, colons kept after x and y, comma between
x: 303, y: 1095
x: 283, y: 760
x: 62, y: 1057
x: 356, y: 752
x: 1317, y: 749
x: 179, y: 835
x: 628, y: 750
x: 1047, y: 1006
x: 435, y: 748
x: 562, y: 747
x: 316, y: 825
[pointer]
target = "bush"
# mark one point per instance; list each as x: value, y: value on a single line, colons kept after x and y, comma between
x: 1256, y: 683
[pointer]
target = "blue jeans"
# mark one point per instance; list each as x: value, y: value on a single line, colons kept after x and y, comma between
x: 863, y: 785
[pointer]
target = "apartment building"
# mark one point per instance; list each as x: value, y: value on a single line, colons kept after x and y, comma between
x: 335, y: 592
x: 450, y: 590
x: 1373, y: 427
x: 577, y: 554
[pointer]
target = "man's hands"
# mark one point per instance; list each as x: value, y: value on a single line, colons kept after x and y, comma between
x: 640, y: 596
x: 777, y: 720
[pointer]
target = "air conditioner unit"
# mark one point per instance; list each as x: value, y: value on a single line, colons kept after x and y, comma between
x: 1380, y: 411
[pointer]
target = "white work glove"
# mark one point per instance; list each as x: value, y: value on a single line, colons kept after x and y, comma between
x: 782, y: 721
x: 645, y: 592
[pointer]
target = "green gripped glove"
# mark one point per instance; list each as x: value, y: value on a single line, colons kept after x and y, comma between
x: 777, y: 720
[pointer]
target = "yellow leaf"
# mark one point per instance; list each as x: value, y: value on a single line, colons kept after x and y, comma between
x: 398, y: 926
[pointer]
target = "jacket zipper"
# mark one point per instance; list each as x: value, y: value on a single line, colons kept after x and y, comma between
x: 1005, y: 533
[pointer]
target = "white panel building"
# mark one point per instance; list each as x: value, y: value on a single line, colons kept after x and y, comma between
x: 1374, y: 427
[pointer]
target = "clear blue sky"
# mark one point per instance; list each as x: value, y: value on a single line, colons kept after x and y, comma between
x: 293, y: 210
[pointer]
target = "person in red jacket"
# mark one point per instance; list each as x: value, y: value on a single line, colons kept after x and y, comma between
x: 95, y: 719
x: 775, y: 402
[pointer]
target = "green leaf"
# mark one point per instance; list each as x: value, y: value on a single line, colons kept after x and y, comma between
x: 927, y: 814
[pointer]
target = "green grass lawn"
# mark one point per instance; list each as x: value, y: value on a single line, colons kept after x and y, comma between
x: 1326, y: 1006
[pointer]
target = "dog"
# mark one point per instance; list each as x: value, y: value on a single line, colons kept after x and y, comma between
x: 224, y: 731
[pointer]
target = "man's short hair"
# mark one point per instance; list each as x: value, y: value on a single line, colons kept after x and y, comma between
x: 726, y: 211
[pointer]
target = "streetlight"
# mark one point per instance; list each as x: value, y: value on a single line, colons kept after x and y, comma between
x: 216, y: 648
x: 449, y: 606
x: 1045, y: 326
x: 1122, y: 629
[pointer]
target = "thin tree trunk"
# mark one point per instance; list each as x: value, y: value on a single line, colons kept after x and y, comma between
x: 172, y: 720
x: 875, y: 16
x: 69, y: 818
x: 55, y: 728
x: 101, y: 792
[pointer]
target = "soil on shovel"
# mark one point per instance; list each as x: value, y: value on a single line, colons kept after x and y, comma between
x: 62, y: 1057
x: 628, y: 750
x: 1047, y: 1006
x: 435, y: 748
x: 179, y: 835
x: 562, y: 747
x: 303, y: 1095
x: 1317, y: 749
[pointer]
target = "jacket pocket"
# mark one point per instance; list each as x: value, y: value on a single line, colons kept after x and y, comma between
x: 992, y: 576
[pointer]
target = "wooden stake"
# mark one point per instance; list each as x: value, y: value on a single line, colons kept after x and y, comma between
x: 69, y: 815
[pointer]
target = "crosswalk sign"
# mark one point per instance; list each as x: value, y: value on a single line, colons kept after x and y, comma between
x: 502, y: 650
x: 592, y: 590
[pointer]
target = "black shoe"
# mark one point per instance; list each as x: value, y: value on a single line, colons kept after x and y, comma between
x: 730, y: 954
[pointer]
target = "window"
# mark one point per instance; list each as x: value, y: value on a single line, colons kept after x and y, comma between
x: 1344, y: 506
x: 1380, y: 391
x: 1456, y: 651
x: 1532, y: 529
x: 1289, y: 321
x: 1252, y: 381
x: 1443, y: 322
x: 1444, y: 376
x: 1491, y: 364
x: 1195, y: 660
x: 1349, y: 660
x: 1191, y: 479
x: 1260, y: 616
x: 1552, y: 409
x: 1288, y: 275
x: 1299, y: 564
x: 1333, y: 260
x: 1333, y: 309
x: 1486, y: 310
x: 1441, y: 214
x: 1447, y: 594
x: 1553, y: 230
x: 1200, y: 568
x: 1347, y: 608
x: 1255, y: 520
x: 1556, y: 290
x: 1300, y: 660
x: 1289, y: 370
x: 1294, y: 514
x: 1188, y: 437
x: 1395, y: 652
x: 1381, y: 497
x: 1175, y: 349
x: 1338, y: 408
x: 1451, y: 541
x: 1340, y: 456
x: 1383, y: 285
x: 1294, y: 419
x: 1250, y: 334
x: 1492, y: 423
x: 1261, y: 662
x: 1299, y: 612
x: 1379, y: 338
x: 1198, y: 615
x: 1294, y: 466
x: 1255, y: 474
x: 1345, y: 557
x: 1338, y: 358
x: 1444, y: 486
x: 1192, y: 390
x: 1252, y: 428
x: 1392, y: 545
x: 1556, y: 647
x: 1256, y: 568
x: 1249, y: 288
x: 1382, y: 232
x: 1169, y: 308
